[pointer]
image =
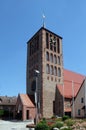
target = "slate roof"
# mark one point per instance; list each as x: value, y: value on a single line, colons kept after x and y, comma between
x: 72, y: 83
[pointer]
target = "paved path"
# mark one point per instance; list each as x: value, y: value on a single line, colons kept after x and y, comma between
x: 14, y: 125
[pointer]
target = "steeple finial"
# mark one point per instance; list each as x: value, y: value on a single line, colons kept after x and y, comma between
x: 43, y: 16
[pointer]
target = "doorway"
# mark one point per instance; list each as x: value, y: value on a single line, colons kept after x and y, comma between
x: 27, y: 114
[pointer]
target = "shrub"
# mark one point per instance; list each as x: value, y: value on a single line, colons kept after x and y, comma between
x: 69, y: 122
x: 65, y: 117
x: 43, y: 120
x: 42, y: 126
x: 59, y: 124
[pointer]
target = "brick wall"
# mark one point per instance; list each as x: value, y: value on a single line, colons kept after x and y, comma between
x: 46, y: 82
x: 59, y: 107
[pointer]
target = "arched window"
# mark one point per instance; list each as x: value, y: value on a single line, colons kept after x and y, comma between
x: 58, y: 60
x: 51, y: 42
x: 51, y: 58
x: 58, y: 46
x: 47, y: 69
x: 55, y: 59
x: 54, y: 42
x: 55, y: 71
x: 47, y: 56
x: 59, y: 72
x: 51, y: 70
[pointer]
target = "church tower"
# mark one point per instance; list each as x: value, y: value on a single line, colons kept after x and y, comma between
x: 44, y: 53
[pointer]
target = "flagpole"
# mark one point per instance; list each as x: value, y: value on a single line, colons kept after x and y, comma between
x: 73, y: 99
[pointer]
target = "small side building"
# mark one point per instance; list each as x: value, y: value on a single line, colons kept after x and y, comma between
x: 25, y: 108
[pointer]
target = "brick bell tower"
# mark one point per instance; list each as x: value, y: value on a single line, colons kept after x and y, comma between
x: 44, y: 53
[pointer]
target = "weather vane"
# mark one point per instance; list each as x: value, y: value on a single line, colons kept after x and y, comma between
x: 43, y: 16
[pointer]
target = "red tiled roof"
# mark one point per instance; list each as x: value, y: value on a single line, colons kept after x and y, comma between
x: 72, y: 81
x: 26, y: 100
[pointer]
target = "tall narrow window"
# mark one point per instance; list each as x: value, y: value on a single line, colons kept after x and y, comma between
x: 82, y: 100
x: 59, y: 72
x: 54, y: 43
x: 51, y: 58
x: 47, y: 69
x: 54, y: 47
x: 51, y: 42
x: 47, y: 42
x: 51, y: 46
x: 58, y: 60
x: 55, y: 59
x: 58, y: 46
x: 55, y: 71
x: 51, y: 70
x: 79, y: 111
x: 47, y: 56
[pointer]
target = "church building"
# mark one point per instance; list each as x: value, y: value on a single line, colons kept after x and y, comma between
x: 50, y: 89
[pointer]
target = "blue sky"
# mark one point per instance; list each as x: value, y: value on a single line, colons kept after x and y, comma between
x: 20, y: 19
